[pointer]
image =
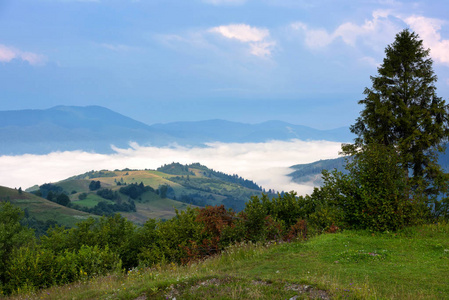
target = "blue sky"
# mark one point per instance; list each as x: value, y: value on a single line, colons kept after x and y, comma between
x: 302, y: 61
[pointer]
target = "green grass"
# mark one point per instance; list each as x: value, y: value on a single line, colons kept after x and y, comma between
x: 155, y: 208
x: 412, y: 264
x: 79, y: 185
x: 91, y: 200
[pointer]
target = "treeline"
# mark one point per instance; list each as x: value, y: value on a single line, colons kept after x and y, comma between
x: 175, y: 169
x: 184, y: 170
x: 103, y: 208
x: 210, y: 173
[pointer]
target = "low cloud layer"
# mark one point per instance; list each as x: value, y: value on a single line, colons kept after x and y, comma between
x: 265, y: 163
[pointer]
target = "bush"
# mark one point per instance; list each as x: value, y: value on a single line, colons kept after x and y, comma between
x: 37, y: 267
x: 375, y: 195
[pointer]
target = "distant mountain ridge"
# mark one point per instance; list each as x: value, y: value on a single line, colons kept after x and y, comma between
x: 311, y: 173
x: 226, y: 131
x: 95, y: 128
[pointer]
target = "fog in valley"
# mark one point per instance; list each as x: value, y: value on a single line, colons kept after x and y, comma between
x: 265, y: 163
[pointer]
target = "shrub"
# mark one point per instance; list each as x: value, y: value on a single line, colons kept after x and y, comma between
x: 375, y: 195
x: 37, y: 267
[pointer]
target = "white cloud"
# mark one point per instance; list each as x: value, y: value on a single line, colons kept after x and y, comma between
x: 380, y: 30
x: 429, y: 31
x: 8, y: 54
x: 257, y: 38
x: 265, y: 163
x: 371, y: 31
x: 242, y: 32
x: 315, y: 38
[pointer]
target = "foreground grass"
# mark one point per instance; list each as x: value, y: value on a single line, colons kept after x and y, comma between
x: 411, y: 264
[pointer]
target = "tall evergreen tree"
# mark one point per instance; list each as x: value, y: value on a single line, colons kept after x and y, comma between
x: 402, y: 110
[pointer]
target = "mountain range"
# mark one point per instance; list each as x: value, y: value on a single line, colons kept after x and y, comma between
x: 96, y: 128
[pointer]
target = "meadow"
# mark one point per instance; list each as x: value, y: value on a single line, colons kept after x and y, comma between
x: 412, y: 263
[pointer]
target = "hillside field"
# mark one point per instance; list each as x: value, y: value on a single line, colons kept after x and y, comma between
x: 410, y: 264
x: 42, y: 209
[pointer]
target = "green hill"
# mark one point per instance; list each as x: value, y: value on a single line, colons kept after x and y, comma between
x: 142, y: 194
x: 42, y: 209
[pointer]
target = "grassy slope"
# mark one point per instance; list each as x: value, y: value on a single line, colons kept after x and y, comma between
x: 151, y: 206
x: 43, y: 209
x: 412, y: 264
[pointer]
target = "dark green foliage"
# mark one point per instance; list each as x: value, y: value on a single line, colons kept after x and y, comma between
x: 166, y: 191
x: 135, y: 190
x: 175, y: 169
x: 104, y: 208
x: 108, y: 194
x: 374, y: 195
x: 210, y: 173
x: 82, y: 196
x: 46, y: 188
x: 63, y: 199
x: 402, y: 110
x: 12, y: 235
x: 186, y: 170
x: 94, y: 185
x: 37, y: 267
x: 394, y: 178
x: 94, y: 174
x: 40, y: 227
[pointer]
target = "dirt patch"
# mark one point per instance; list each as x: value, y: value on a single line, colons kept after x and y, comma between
x: 308, y: 290
x: 175, y: 291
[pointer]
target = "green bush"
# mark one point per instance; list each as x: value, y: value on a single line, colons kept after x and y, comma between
x: 36, y: 267
x: 375, y: 195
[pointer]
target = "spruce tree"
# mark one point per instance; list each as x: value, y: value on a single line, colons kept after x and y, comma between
x: 401, y: 110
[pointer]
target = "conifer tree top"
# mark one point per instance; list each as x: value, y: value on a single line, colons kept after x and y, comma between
x: 401, y: 109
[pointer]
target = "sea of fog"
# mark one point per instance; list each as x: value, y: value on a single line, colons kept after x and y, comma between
x: 267, y: 163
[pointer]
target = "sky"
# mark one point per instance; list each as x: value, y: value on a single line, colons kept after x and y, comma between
x: 306, y: 62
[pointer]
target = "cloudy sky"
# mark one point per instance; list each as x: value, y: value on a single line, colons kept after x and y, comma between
x: 302, y: 61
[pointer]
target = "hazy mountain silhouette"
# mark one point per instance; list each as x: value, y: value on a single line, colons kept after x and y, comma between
x: 95, y: 128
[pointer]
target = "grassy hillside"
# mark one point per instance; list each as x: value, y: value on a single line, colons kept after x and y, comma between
x: 42, y: 209
x: 410, y: 264
x: 173, y: 186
